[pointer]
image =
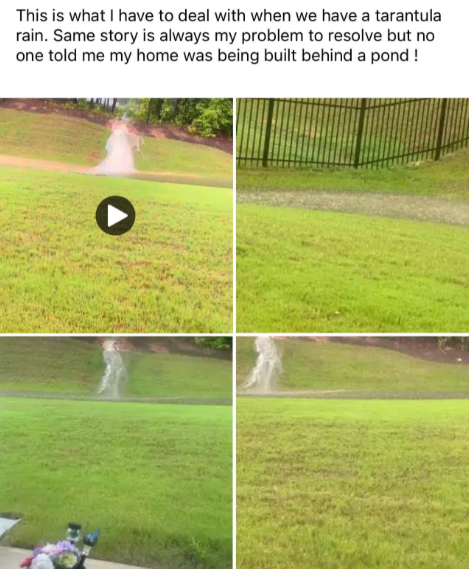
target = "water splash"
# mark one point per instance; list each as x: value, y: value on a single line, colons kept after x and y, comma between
x: 114, y: 372
x: 120, y: 157
x: 263, y: 378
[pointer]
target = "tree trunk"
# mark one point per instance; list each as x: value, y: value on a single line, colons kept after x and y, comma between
x: 114, y: 103
x: 149, y: 110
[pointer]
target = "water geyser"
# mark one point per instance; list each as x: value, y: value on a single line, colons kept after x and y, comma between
x: 263, y: 377
x: 114, y: 371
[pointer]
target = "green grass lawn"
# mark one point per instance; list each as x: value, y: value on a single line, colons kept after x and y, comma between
x: 71, y: 366
x: 332, y: 366
x: 52, y: 137
x: 157, y: 479
x: 352, y: 484
x: 326, y: 130
x: 184, y: 158
x: 60, y: 273
x: 309, y: 271
x: 448, y: 178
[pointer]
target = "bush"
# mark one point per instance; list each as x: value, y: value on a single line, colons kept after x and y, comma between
x: 204, y: 117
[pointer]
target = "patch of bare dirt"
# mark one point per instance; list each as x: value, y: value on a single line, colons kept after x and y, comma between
x: 166, y: 177
x: 23, y: 162
x: 43, y: 106
x: 223, y: 143
x: 398, y: 395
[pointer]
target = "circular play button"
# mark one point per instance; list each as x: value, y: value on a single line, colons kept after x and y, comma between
x: 115, y: 215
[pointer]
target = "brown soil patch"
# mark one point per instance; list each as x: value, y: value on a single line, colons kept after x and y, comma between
x: 23, y: 162
x: 56, y: 106
x: 223, y: 143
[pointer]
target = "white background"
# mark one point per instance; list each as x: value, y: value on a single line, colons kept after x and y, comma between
x: 440, y: 71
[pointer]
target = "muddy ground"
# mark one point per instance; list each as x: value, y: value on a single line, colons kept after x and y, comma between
x: 419, y: 208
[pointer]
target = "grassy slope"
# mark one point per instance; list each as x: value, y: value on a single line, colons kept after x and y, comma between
x: 52, y: 137
x: 352, y: 485
x: 324, y: 366
x: 78, y: 141
x: 308, y: 271
x: 59, y: 273
x: 156, y: 479
x: 49, y: 364
x: 170, y: 375
x: 182, y: 157
x: 74, y: 366
x: 447, y: 178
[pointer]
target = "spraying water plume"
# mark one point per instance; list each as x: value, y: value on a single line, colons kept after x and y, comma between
x: 114, y: 372
x: 120, y: 158
x: 263, y: 377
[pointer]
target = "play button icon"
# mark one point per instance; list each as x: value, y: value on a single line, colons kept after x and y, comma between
x: 115, y: 215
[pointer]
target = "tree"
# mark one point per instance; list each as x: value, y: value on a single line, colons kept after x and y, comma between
x: 216, y: 342
x: 149, y: 111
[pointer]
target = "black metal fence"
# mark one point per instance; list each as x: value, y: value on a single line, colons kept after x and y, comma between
x: 368, y: 133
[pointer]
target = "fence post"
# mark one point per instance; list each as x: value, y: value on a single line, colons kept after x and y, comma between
x: 268, y: 129
x: 441, y: 128
x: 361, y: 124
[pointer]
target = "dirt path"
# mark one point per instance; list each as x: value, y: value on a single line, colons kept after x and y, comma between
x: 345, y: 394
x: 17, y: 393
x: 43, y: 164
x: 421, y: 208
x: 166, y: 177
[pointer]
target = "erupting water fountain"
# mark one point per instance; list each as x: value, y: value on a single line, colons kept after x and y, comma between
x: 263, y: 377
x: 114, y: 372
x: 120, y: 158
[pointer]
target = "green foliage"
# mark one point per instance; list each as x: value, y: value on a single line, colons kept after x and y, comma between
x: 215, y: 117
x: 219, y: 343
x: 205, y: 117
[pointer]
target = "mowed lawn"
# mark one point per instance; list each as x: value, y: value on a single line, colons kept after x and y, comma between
x: 448, y: 178
x: 52, y: 365
x: 352, y: 484
x: 325, y: 366
x: 156, y: 479
x: 314, y: 271
x: 180, y: 157
x: 60, y: 273
x: 52, y: 136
